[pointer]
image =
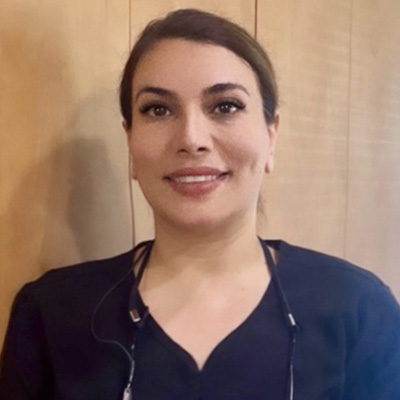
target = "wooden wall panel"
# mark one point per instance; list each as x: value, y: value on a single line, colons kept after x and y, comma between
x: 142, y: 11
x: 305, y: 198
x: 63, y: 157
x: 373, y: 224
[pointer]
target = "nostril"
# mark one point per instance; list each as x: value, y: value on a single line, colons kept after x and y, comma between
x: 193, y: 149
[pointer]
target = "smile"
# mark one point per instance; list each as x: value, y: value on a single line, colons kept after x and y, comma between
x: 196, y: 182
x: 195, y: 179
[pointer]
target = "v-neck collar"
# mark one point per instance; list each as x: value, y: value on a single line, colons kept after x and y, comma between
x: 136, y: 302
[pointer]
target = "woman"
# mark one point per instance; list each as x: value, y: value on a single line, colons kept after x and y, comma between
x: 205, y: 313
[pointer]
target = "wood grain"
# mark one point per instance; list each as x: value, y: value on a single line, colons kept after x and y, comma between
x: 63, y: 158
x: 373, y: 223
x: 305, y: 198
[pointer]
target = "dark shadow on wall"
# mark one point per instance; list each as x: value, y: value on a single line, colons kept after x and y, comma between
x: 35, y: 92
x: 64, y: 195
x: 63, y: 179
x: 69, y: 206
x: 97, y: 209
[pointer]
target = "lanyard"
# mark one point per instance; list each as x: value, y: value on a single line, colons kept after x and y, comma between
x: 139, y: 312
x: 288, y: 315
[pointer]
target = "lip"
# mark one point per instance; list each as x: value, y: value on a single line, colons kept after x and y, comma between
x: 195, y: 181
x: 194, y: 171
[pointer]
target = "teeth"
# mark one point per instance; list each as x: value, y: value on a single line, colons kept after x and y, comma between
x: 193, y: 179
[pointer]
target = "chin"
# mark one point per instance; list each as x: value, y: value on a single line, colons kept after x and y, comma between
x: 201, y: 223
x: 197, y: 223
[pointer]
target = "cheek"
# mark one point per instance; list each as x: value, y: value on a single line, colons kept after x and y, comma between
x: 249, y: 152
x: 145, y: 154
x: 144, y: 163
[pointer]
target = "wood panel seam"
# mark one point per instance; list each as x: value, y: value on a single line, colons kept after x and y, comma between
x: 349, y: 100
x: 131, y: 205
x: 255, y: 19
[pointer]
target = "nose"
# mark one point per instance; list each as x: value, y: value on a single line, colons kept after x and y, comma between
x: 193, y: 135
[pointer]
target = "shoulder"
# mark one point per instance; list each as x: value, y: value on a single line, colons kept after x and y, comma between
x: 80, y: 282
x: 345, y: 313
x: 324, y: 283
x: 331, y: 294
x: 314, y: 266
x: 74, y: 290
x: 85, y: 272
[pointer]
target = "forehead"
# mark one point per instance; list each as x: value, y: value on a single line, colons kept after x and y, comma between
x: 177, y: 62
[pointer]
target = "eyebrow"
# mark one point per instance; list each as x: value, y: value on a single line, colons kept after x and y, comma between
x: 222, y: 87
x: 217, y: 88
x: 155, y: 90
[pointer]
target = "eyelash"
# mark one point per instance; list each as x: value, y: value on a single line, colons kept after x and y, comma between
x: 146, y: 108
x: 231, y: 105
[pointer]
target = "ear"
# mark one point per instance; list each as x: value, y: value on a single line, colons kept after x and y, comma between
x: 132, y: 169
x: 125, y: 126
x: 272, y: 134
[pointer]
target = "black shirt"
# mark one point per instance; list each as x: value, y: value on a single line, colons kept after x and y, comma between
x: 348, y: 346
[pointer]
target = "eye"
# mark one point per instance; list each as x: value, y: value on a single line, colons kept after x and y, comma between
x: 228, y: 107
x: 155, y: 110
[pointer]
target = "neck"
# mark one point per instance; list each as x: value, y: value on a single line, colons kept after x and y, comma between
x: 207, y: 252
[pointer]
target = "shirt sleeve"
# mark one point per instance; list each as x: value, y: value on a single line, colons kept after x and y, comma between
x: 24, y: 364
x: 373, y: 365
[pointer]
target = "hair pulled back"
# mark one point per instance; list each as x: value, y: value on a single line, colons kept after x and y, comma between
x: 200, y: 26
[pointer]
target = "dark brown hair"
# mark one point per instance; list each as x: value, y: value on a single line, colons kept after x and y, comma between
x: 200, y: 26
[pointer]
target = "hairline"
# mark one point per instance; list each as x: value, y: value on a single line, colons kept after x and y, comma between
x: 157, y: 40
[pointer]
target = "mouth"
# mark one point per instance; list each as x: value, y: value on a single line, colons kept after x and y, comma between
x: 195, y: 175
x: 195, y: 182
x: 196, y: 178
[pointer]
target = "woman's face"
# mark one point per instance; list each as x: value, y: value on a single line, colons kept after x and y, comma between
x: 199, y: 141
